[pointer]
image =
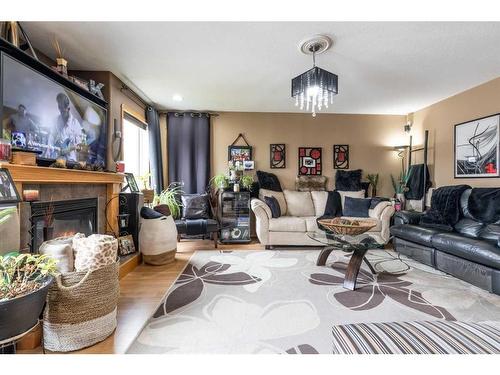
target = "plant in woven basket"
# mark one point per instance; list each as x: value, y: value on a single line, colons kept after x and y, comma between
x: 170, y: 197
x: 22, y: 274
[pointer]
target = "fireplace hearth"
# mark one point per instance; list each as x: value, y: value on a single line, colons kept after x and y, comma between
x: 70, y: 217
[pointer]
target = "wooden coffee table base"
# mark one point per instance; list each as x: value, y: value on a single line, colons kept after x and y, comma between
x: 351, y: 274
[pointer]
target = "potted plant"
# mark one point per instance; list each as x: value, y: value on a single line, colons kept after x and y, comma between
x: 24, y: 284
x: 170, y: 198
x: 399, y: 187
x: 246, y: 181
x: 219, y: 181
x: 373, y: 180
x: 146, y: 190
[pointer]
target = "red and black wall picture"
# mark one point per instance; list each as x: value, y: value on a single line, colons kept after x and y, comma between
x: 341, y: 156
x: 278, y: 155
x: 310, y: 161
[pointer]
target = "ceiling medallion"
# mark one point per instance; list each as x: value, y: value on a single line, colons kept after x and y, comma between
x: 316, y: 87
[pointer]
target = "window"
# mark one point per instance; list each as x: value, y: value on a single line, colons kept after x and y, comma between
x: 135, y: 147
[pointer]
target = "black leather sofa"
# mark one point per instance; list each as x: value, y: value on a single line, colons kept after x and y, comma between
x: 470, y: 252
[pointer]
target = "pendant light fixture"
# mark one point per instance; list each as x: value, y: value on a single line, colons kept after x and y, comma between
x: 315, y: 88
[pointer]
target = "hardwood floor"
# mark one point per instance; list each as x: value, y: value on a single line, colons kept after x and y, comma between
x: 141, y: 291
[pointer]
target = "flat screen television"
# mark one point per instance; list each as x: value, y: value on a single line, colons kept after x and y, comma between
x: 39, y: 113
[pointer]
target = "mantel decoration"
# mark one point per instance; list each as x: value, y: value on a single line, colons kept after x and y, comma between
x: 477, y: 148
x: 316, y: 87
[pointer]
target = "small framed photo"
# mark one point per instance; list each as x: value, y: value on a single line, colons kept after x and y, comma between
x: 132, y: 184
x: 249, y: 165
x: 126, y: 245
x: 239, y: 153
x: 8, y: 190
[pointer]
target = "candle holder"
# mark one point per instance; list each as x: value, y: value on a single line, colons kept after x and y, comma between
x: 31, y: 195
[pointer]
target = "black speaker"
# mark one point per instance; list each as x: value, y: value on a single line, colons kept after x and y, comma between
x: 131, y: 204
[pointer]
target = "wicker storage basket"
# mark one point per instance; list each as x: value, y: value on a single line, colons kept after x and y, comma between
x: 81, y: 309
x: 347, y: 227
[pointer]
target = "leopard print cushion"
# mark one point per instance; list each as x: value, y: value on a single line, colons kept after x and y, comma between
x: 94, y: 252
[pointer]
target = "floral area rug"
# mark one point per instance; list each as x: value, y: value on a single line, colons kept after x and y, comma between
x: 281, y: 302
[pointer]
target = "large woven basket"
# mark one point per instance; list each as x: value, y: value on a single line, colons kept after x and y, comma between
x: 347, y: 227
x: 81, y: 309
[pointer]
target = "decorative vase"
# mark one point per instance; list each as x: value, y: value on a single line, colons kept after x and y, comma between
x: 402, y: 199
x: 48, y: 233
x: 236, y: 188
x: 62, y: 66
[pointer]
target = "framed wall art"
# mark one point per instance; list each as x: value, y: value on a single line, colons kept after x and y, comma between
x: 8, y: 190
x: 278, y: 156
x: 239, y: 153
x: 341, y: 157
x: 477, y: 147
x: 310, y: 161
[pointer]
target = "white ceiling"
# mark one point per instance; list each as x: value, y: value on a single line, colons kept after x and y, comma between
x: 384, y: 68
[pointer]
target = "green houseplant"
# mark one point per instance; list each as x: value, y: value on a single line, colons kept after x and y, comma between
x: 219, y: 181
x: 246, y: 181
x: 170, y: 197
x: 373, y: 180
x: 24, y: 284
x: 146, y: 187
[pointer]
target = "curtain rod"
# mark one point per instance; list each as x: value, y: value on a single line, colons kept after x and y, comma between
x: 140, y: 101
x: 166, y: 112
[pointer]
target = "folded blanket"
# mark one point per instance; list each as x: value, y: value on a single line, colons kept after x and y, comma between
x: 484, y: 204
x: 445, y: 207
x: 415, y: 183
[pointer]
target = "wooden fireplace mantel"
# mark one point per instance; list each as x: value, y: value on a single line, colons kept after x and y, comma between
x: 45, y: 175
x: 27, y: 174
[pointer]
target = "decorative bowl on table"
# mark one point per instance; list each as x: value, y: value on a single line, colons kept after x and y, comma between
x: 348, y: 227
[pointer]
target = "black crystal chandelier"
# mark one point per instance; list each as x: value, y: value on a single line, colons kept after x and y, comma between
x: 315, y: 88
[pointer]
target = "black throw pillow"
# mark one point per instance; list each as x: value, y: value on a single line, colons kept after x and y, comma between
x: 273, y: 204
x: 268, y: 181
x: 149, y: 213
x: 195, y: 206
x: 333, y: 206
x: 356, y: 207
x: 348, y: 180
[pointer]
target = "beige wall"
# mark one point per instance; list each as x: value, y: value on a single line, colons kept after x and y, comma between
x: 370, y: 137
x: 440, y: 119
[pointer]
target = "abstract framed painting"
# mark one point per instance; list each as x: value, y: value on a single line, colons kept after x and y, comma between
x: 310, y: 163
x: 477, y: 148
x: 278, y: 156
x: 341, y: 156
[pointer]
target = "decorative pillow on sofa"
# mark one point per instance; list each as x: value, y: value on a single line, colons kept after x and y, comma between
x: 299, y: 203
x: 352, y: 194
x: 356, y: 207
x: 195, y: 206
x: 273, y: 204
x: 348, y: 180
x: 268, y: 181
x: 280, y: 197
x: 310, y: 183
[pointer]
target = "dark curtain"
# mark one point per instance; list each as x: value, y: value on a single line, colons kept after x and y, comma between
x: 188, y: 149
x: 155, y: 161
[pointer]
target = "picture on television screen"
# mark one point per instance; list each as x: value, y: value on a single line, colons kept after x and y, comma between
x: 38, y: 113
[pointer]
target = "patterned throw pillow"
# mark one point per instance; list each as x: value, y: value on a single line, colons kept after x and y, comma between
x: 273, y: 204
x: 94, y: 252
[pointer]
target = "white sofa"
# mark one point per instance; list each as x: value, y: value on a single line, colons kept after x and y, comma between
x: 299, y: 213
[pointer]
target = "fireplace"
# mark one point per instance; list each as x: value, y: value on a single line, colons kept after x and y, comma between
x: 70, y: 217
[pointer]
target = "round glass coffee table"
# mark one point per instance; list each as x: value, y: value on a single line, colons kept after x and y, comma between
x: 357, y: 245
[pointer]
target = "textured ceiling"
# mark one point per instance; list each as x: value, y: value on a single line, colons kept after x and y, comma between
x: 384, y: 68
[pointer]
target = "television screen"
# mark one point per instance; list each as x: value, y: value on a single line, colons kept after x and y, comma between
x: 39, y: 113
